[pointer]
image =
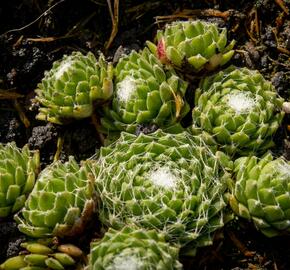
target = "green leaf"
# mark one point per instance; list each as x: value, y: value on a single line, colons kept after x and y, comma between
x: 153, y: 101
x: 174, y: 56
x: 144, y: 116
x: 222, y: 41
x: 197, y: 61
x: 255, y: 208
x: 159, y: 73
x: 273, y: 213
x: 222, y: 134
x: 266, y: 196
x: 240, y: 138
x: 152, y: 47
x: 165, y: 92
x: 12, y: 193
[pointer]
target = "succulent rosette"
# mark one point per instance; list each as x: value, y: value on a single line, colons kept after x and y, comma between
x: 132, y: 248
x: 145, y: 93
x: 239, y: 108
x: 173, y: 183
x: 261, y: 193
x: 71, y: 87
x: 18, y: 171
x: 61, y: 202
x: 45, y: 255
x: 195, y: 44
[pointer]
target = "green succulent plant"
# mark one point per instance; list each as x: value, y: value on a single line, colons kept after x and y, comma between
x: 239, y: 108
x: 61, y: 202
x: 195, y: 44
x: 133, y: 248
x: 169, y: 182
x: 18, y: 171
x: 71, y: 87
x: 261, y: 193
x: 145, y: 94
x: 45, y: 255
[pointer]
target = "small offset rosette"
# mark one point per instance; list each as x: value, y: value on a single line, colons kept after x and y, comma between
x: 133, y: 248
x: 194, y: 45
x: 72, y: 87
x: 18, y: 172
x: 261, y: 193
x: 240, y: 109
x: 173, y: 183
x: 145, y: 93
x: 61, y: 203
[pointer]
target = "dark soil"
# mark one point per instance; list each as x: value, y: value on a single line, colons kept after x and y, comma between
x: 34, y: 33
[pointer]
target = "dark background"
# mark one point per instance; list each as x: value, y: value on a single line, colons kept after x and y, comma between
x: 34, y: 33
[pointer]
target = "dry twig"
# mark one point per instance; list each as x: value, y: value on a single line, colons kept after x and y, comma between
x: 22, y: 115
x: 192, y: 13
x: 240, y: 245
x: 282, y: 5
x: 96, y: 123
x: 142, y: 9
x: 115, y: 22
x: 34, y: 21
x: 253, y: 25
x: 6, y: 94
x: 59, y: 146
x: 44, y: 39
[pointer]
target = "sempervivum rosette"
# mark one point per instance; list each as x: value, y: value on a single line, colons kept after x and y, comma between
x: 169, y: 182
x: 239, y: 108
x: 71, y: 87
x: 61, y: 202
x: 132, y: 248
x: 145, y: 94
x: 262, y: 193
x: 196, y: 44
x: 18, y: 170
